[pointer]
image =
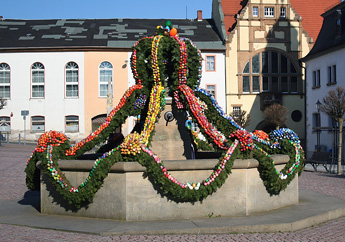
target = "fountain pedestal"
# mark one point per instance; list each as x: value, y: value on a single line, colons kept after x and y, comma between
x: 171, y: 140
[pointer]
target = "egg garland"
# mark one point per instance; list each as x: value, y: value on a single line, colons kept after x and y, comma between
x: 148, y: 97
x: 140, y: 102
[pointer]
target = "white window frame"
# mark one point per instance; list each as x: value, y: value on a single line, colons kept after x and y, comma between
x: 269, y: 12
x: 72, y: 80
x: 36, y: 124
x: 37, y: 80
x: 211, y: 89
x: 71, y: 124
x: 104, y: 69
x: 255, y: 11
x: 210, y: 63
x: 5, y: 81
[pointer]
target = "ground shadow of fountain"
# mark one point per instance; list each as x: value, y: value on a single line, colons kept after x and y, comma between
x: 32, y: 198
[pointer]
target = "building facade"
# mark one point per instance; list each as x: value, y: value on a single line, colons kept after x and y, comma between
x: 265, y: 40
x: 59, y: 72
x: 325, y: 69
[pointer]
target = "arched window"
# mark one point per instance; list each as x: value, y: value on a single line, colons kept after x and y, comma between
x: 72, y: 79
x: 269, y: 71
x: 37, y: 80
x: 5, y: 84
x: 105, y: 77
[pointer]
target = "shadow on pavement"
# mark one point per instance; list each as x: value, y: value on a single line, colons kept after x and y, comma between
x: 32, y: 198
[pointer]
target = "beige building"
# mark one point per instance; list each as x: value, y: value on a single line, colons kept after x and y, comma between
x: 265, y: 40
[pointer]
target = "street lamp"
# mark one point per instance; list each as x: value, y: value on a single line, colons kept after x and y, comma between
x: 318, y: 104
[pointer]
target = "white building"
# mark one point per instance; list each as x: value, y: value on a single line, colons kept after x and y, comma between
x: 325, y: 70
x: 39, y: 83
x: 54, y: 70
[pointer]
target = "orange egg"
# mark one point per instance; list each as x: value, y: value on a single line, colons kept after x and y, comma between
x: 173, y: 32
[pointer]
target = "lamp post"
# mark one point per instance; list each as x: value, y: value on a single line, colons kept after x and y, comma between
x: 317, y: 104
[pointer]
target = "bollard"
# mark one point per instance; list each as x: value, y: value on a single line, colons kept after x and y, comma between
x: 8, y: 137
x: 19, y: 138
x: 0, y: 138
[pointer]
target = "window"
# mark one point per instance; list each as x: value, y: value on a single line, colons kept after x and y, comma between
x: 296, y: 116
x: 72, y: 80
x: 316, y: 120
x: 331, y: 73
x: 269, y: 71
x: 338, y: 24
x: 256, y: 83
x: 316, y: 78
x: 294, y: 84
x: 5, y: 124
x: 269, y: 12
x: 283, y: 12
x: 246, y: 84
x: 210, y: 63
x: 332, y: 122
x: 37, y: 80
x: 211, y: 89
x: 236, y: 111
x: 72, y: 124
x: 5, y: 84
x: 285, y: 84
x: 255, y: 12
x: 105, y: 78
x: 265, y: 84
x: 37, y: 124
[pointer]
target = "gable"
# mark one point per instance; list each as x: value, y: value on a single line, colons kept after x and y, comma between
x: 309, y: 10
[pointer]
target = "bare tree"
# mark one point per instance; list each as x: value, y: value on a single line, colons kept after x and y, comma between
x: 276, y: 114
x: 241, y: 117
x: 334, y: 106
x: 2, y: 103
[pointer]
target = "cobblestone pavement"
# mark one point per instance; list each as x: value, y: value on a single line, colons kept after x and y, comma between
x: 12, y: 186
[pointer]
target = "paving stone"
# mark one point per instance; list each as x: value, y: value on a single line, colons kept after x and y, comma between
x: 12, y: 186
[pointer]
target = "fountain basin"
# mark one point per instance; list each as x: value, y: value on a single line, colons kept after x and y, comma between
x: 127, y: 195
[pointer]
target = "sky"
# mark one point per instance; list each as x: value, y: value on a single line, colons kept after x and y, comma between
x: 102, y: 9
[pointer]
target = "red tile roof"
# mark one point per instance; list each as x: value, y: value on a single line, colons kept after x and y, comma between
x: 310, y: 10
x: 230, y: 9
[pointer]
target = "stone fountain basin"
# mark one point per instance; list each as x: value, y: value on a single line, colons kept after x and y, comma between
x: 127, y: 195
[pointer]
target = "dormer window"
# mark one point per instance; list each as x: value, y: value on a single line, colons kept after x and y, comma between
x: 338, y: 25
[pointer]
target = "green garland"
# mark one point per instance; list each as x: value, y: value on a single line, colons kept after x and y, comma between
x: 169, y: 62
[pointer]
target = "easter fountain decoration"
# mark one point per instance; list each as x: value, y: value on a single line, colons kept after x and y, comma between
x: 166, y: 60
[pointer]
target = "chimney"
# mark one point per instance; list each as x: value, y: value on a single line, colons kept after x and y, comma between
x: 199, y: 15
